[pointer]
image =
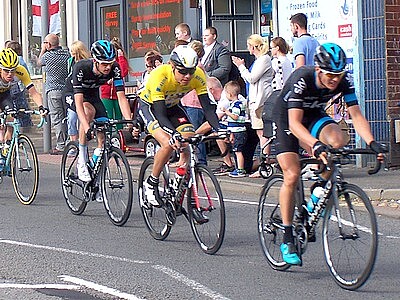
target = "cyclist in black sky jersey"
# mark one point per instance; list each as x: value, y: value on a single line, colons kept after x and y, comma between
x: 87, y: 76
x: 302, y: 121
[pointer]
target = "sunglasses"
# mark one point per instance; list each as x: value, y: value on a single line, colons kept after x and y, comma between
x: 332, y: 75
x: 105, y: 64
x: 186, y: 71
x: 9, y: 70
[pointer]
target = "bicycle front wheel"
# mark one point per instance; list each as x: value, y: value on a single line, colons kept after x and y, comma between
x: 25, y: 170
x: 270, y: 229
x: 72, y: 187
x: 154, y: 217
x: 117, y: 187
x: 350, y: 237
x: 209, y: 235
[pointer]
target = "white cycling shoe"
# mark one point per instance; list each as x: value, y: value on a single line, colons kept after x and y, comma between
x: 83, y: 172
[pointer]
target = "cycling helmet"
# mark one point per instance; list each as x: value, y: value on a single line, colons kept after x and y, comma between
x: 184, y: 56
x: 8, y: 59
x: 103, y: 51
x: 331, y: 58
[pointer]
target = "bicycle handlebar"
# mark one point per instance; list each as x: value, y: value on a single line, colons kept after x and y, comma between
x: 17, y: 113
x: 198, y: 138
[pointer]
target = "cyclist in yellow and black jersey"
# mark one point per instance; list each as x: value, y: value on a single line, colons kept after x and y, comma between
x: 163, y: 115
x: 11, y: 73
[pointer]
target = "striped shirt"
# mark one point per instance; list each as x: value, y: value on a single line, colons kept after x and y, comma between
x: 238, y: 108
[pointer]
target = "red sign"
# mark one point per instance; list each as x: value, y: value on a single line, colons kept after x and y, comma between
x: 345, y: 30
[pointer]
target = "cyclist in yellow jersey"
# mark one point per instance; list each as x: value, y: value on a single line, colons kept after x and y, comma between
x: 163, y: 115
x: 11, y: 73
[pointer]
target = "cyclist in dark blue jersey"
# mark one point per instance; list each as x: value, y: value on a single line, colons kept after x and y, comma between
x: 302, y: 121
x: 87, y: 76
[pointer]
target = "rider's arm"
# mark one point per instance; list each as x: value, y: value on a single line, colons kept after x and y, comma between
x: 209, y: 111
x: 37, y: 98
x: 160, y: 113
x: 360, y: 124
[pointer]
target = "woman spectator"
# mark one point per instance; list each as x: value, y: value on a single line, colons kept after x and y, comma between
x: 152, y: 59
x: 108, y: 93
x: 280, y: 62
x: 259, y: 77
x: 78, y: 52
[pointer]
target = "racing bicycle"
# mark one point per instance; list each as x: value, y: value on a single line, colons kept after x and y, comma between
x: 111, y: 177
x: 202, y: 191
x: 21, y: 161
x: 349, y: 228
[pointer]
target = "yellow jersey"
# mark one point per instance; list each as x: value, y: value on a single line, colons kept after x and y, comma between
x: 162, y: 86
x: 20, y: 74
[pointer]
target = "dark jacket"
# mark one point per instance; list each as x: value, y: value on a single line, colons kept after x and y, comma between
x: 218, y: 63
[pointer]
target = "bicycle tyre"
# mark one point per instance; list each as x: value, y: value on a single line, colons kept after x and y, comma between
x: 117, y: 186
x: 270, y: 230
x: 154, y: 217
x: 25, y: 170
x: 350, y: 261
x: 209, y: 235
x: 71, y: 186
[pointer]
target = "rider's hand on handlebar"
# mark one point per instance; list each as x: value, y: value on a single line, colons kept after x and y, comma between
x: 320, y: 151
x: 44, y: 111
x: 379, y: 149
x: 174, y: 141
x: 89, y: 134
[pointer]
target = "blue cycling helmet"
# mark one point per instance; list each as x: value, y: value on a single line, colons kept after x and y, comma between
x: 331, y: 58
x: 103, y: 51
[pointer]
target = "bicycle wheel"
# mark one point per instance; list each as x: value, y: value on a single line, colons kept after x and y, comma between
x: 72, y: 187
x: 350, y: 253
x: 270, y: 229
x: 209, y: 235
x: 154, y: 217
x: 117, y: 187
x: 25, y: 170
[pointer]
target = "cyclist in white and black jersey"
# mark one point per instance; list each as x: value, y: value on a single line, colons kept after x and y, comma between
x: 301, y: 121
x: 87, y: 76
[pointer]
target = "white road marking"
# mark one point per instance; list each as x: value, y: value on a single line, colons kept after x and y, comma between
x: 176, y: 275
x: 39, y: 286
x: 190, y: 283
x: 97, y: 287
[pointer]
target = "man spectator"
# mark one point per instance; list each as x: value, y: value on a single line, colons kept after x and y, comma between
x: 183, y: 32
x: 56, y: 61
x: 217, y: 59
x: 304, y: 45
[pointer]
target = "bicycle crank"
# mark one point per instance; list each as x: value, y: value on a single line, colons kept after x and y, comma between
x: 170, y: 212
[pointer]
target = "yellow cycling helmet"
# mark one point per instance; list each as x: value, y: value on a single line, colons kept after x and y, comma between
x: 8, y: 59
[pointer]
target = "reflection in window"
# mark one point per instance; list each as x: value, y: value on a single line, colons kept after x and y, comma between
x: 224, y: 32
x: 110, y: 20
x: 244, y: 28
x: 243, y: 7
x: 221, y: 7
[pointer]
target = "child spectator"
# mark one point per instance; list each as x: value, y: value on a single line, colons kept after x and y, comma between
x: 236, y: 117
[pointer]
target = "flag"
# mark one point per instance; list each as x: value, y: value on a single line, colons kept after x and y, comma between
x: 54, y: 17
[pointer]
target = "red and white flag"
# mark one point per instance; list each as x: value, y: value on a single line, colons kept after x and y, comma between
x: 54, y: 17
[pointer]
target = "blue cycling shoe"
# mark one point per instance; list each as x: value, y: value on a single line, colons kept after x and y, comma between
x: 289, y: 254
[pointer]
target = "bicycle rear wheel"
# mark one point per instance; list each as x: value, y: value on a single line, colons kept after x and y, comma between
x: 72, y: 187
x: 117, y: 187
x: 25, y: 170
x: 270, y: 229
x: 350, y: 254
x: 209, y: 235
x: 154, y: 217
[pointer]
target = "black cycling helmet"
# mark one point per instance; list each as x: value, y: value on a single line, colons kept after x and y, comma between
x: 103, y: 51
x: 184, y: 56
x: 331, y: 58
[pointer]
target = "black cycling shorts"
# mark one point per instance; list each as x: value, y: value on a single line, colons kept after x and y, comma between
x: 97, y: 104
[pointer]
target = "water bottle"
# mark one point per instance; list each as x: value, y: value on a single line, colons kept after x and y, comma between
x: 179, y: 174
x: 96, y: 154
x: 315, y: 196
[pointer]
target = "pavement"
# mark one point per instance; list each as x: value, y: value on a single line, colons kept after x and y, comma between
x: 383, y: 188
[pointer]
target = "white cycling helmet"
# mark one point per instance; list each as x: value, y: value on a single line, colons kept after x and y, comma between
x: 184, y: 56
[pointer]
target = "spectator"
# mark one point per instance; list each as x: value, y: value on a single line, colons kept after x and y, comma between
x: 18, y: 91
x: 78, y: 52
x: 259, y: 78
x: 236, y: 117
x: 152, y: 59
x: 183, y: 32
x: 108, y: 92
x: 55, y: 59
x: 304, y: 45
x: 217, y: 59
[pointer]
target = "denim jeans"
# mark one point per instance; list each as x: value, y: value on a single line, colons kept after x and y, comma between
x: 196, y: 117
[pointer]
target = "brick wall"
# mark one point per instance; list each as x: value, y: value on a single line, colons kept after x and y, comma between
x: 392, y: 30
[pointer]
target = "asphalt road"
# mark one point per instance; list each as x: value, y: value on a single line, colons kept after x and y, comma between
x: 48, y: 253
